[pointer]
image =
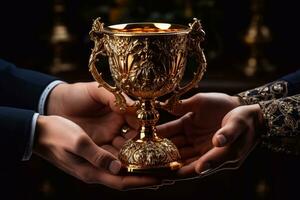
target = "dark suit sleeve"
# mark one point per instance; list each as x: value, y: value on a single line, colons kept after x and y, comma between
x: 21, y: 88
x: 293, y: 80
x: 15, y: 126
x: 20, y: 91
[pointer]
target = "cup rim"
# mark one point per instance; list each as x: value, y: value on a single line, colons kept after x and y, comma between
x: 158, y: 28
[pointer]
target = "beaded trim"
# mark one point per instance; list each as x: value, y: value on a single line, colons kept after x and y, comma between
x: 274, y: 90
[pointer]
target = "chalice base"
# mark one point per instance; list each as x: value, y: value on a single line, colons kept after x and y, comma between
x: 150, y: 156
x: 167, y: 169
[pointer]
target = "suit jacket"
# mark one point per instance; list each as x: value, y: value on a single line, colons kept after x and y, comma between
x: 293, y: 80
x: 20, y: 91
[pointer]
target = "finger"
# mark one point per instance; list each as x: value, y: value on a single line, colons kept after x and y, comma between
x: 187, y: 170
x: 187, y: 152
x: 102, y: 96
x: 229, y: 133
x: 170, y: 129
x: 186, y: 105
x: 118, y: 142
x: 111, y: 149
x: 90, y: 174
x: 132, y: 121
x: 213, y: 159
x: 130, y: 134
x: 98, y: 156
x: 131, y: 104
x: 190, y: 160
x: 179, y: 141
x: 129, y: 182
x: 175, y: 127
x: 129, y: 101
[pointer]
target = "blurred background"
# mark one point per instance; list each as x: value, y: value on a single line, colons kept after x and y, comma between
x: 248, y: 43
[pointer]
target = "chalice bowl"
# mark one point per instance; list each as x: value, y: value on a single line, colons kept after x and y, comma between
x: 147, y: 61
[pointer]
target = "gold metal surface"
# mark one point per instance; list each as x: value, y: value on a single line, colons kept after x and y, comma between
x: 125, y: 130
x: 147, y: 61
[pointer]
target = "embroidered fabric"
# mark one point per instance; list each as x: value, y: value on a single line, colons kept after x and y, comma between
x: 274, y: 90
x: 282, y: 117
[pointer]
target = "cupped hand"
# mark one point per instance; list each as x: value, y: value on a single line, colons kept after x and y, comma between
x: 67, y: 146
x: 239, y: 132
x: 192, y: 133
x: 93, y: 109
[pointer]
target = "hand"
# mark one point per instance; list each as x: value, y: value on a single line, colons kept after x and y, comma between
x: 93, y: 109
x: 239, y: 131
x: 67, y: 146
x: 193, y: 132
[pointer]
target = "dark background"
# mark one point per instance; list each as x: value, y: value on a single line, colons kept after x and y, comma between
x: 26, y: 28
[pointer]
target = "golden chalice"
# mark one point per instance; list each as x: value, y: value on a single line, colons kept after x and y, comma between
x: 147, y: 61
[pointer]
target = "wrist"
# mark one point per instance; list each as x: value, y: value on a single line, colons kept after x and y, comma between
x: 40, y: 126
x: 54, y: 103
x: 236, y: 101
x: 258, y: 116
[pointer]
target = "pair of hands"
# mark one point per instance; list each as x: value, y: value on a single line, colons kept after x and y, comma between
x: 82, y: 137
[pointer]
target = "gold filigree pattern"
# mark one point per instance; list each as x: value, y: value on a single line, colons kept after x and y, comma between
x: 282, y: 117
x: 153, y: 153
x: 274, y: 90
x: 97, y: 36
x: 196, y: 36
x: 147, y: 67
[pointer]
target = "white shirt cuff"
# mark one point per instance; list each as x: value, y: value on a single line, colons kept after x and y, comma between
x: 28, y: 150
x: 41, y: 110
x: 44, y: 95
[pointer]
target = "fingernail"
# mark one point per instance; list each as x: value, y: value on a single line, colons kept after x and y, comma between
x: 221, y: 140
x: 115, y: 167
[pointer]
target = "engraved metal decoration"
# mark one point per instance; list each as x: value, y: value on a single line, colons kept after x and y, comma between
x: 147, y: 61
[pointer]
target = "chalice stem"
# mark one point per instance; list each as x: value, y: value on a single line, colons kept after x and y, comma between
x: 148, y: 116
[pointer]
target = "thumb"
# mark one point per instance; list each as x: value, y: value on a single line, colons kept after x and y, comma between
x: 232, y: 129
x: 115, y: 103
x: 99, y: 157
x: 101, y: 95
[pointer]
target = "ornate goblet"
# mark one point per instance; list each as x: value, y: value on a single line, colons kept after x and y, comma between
x: 147, y: 61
